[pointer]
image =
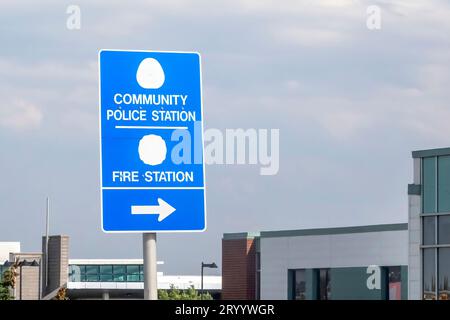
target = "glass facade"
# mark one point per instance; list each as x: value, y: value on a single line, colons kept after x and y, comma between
x: 394, y: 283
x: 436, y: 227
x: 106, y: 273
x: 324, y: 287
x: 443, y: 184
x: 429, y: 185
x: 299, y: 284
x: 444, y: 273
x: 429, y: 229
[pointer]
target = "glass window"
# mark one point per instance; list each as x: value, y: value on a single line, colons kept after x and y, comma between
x: 119, y: 277
x: 444, y: 230
x: 444, y: 273
x: 77, y: 273
x: 429, y: 274
x: 133, y: 273
x: 106, y: 269
x: 92, y: 277
x: 395, y: 283
x: 91, y: 269
x: 106, y: 277
x: 79, y: 268
x: 133, y: 277
x: 119, y: 269
x: 429, y: 230
x: 444, y: 184
x: 133, y: 269
x: 429, y: 185
x: 324, y: 284
x: 141, y: 273
x: 299, y: 285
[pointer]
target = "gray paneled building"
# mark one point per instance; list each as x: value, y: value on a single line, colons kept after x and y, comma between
x: 363, y: 262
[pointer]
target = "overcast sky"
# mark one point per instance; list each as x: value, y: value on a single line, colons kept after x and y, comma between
x: 351, y: 104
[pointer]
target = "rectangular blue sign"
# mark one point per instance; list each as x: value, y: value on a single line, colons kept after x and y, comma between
x: 151, y: 141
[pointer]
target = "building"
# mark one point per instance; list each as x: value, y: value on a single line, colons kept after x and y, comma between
x: 429, y: 225
x: 87, y: 278
x: 123, y: 279
x: 364, y: 262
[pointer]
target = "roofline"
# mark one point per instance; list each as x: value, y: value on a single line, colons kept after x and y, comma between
x: 431, y: 153
x: 108, y: 261
x: 240, y: 235
x: 332, y: 231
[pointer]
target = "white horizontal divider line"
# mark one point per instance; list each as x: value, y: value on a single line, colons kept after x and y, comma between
x: 152, y: 188
x: 151, y: 127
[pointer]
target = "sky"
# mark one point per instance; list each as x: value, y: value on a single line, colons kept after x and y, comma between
x: 350, y: 103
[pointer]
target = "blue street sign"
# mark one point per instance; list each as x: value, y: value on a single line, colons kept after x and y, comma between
x: 151, y: 132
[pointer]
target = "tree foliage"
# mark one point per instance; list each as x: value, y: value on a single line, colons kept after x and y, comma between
x: 177, y: 294
x: 62, y: 294
x: 8, y: 282
x: 4, y: 293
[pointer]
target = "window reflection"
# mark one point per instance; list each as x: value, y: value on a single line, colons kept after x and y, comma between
x: 300, y: 285
x: 106, y: 273
x: 444, y: 273
x: 429, y: 276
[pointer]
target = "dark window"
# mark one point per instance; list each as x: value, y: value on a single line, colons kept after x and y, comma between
x: 324, y: 284
x: 395, y: 283
x: 429, y: 229
x: 444, y: 273
x: 299, y: 285
x: 429, y: 274
x: 444, y: 230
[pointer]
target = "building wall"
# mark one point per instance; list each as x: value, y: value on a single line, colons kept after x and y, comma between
x: 238, y: 269
x: 28, y: 277
x: 414, y: 239
x: 279, y: 254
x: 58, y: 262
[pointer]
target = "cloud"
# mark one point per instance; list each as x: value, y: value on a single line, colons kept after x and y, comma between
x: 20, y: 115
x: 309, y: 37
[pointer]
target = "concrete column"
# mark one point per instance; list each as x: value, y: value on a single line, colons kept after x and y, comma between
x: 150, y: 280
x: 105, y: 295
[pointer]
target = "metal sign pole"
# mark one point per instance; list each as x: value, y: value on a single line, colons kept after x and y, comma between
x: 150, y: 280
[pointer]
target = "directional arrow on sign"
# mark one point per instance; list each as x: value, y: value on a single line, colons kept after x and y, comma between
x: 163, y: 209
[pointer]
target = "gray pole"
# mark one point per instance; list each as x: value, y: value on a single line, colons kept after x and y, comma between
x: 150, y: 281
x: 201, y: 287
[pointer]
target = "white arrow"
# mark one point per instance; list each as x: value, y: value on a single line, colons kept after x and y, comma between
x: 163, y: 209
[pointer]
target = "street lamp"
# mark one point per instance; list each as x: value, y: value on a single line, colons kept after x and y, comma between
x: 206, y: 265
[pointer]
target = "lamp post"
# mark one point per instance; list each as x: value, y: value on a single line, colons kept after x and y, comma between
x: 206, y: 265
